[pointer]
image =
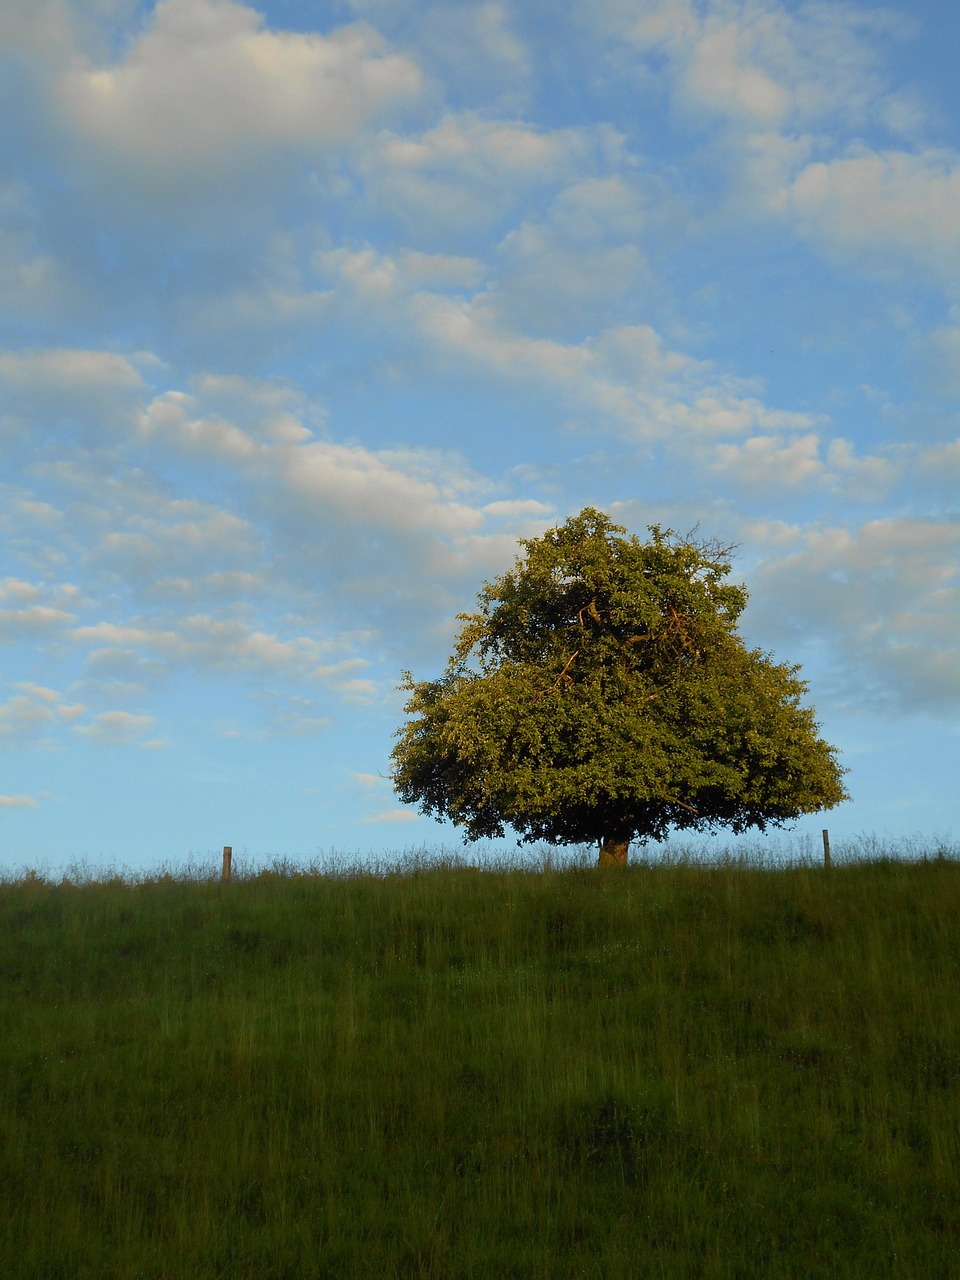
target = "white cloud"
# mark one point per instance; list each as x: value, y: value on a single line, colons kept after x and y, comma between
x: 439, y: 270
x: 480, y: 32
x: 94, y: 390
x: 18, y: 802
x: 870, y: 477
x: 169, y: 417
x: 43, y: 27
x: 376, y: 789
x: 722, y: 76
x: 889, y: 211
x: 115, y: 675
x: 284, y: 314
x: 392, y: 815
x: 771, y: 463
x: 620, y: 204
x: 211, y: 643
x: 54, y: 31
x: 485, y: 148
x: 32, y: 622
x: 32, y: 512
x: 552, y: 286
x: 18, y: 590
x: 24, y: 717
x: 757, y: 65
x: 208, y: 83
x: 624, y: 377
x: 357, y: 482
x: 290, y: 717
x: 128, y: 659
x: 297, y: 477
x: 162, y: 552
x: 884, y: 597
x: 467, y: 172
x: 518, y: 507
x: 940, y: 351
x: 73, y: 372
x: 33, y: 712
x: 943, y: 461
x: 791, y: 94
x: 32, y: 610
x: 472, y: 47
x: 341, y: 550
x: 763, y: 461
x: 316, y: 480
x: 118, y: 729
x: 384, y: 541
x: 32, y: 282
x: 227, y: 415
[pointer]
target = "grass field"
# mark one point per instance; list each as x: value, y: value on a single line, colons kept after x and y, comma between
x: 681, y: 1071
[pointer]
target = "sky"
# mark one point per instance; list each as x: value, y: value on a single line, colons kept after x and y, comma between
x: 309, y: 311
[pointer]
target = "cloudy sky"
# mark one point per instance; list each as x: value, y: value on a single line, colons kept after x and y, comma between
x: 308, y: 311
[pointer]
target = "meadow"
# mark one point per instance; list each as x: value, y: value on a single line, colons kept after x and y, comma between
x: 688, y: 1070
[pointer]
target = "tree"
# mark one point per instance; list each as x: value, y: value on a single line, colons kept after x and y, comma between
x: 601, y: 694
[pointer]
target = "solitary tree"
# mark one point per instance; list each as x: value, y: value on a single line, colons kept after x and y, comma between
x: 601, y: 693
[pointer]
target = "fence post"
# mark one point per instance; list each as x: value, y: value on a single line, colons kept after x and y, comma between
x: 227, y: 859
x: 826, y: 847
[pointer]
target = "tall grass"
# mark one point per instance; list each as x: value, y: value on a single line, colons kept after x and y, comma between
x: 672, y: 1070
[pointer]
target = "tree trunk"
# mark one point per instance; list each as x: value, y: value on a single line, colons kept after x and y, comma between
x: 613, y: 851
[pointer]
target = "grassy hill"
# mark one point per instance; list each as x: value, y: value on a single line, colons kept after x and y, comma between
x: 686, y: 1071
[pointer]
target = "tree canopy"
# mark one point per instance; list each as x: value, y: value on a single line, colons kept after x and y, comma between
x: 601, y: 693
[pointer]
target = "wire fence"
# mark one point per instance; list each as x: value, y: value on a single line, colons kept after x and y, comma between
x: 765, y: 853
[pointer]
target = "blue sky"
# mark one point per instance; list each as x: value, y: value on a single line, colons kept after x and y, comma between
x: 309, y: 311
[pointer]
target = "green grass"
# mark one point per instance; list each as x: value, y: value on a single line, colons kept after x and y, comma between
x: 682, y: 1071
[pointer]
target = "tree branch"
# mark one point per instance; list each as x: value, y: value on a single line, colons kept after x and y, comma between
x: 591, y: 610
x: 563, y: 675
x: 674, y: 800
x: 556, y: 683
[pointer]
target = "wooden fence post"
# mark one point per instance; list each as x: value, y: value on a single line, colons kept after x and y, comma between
x: 227, y: 859
x: 826, y: 847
